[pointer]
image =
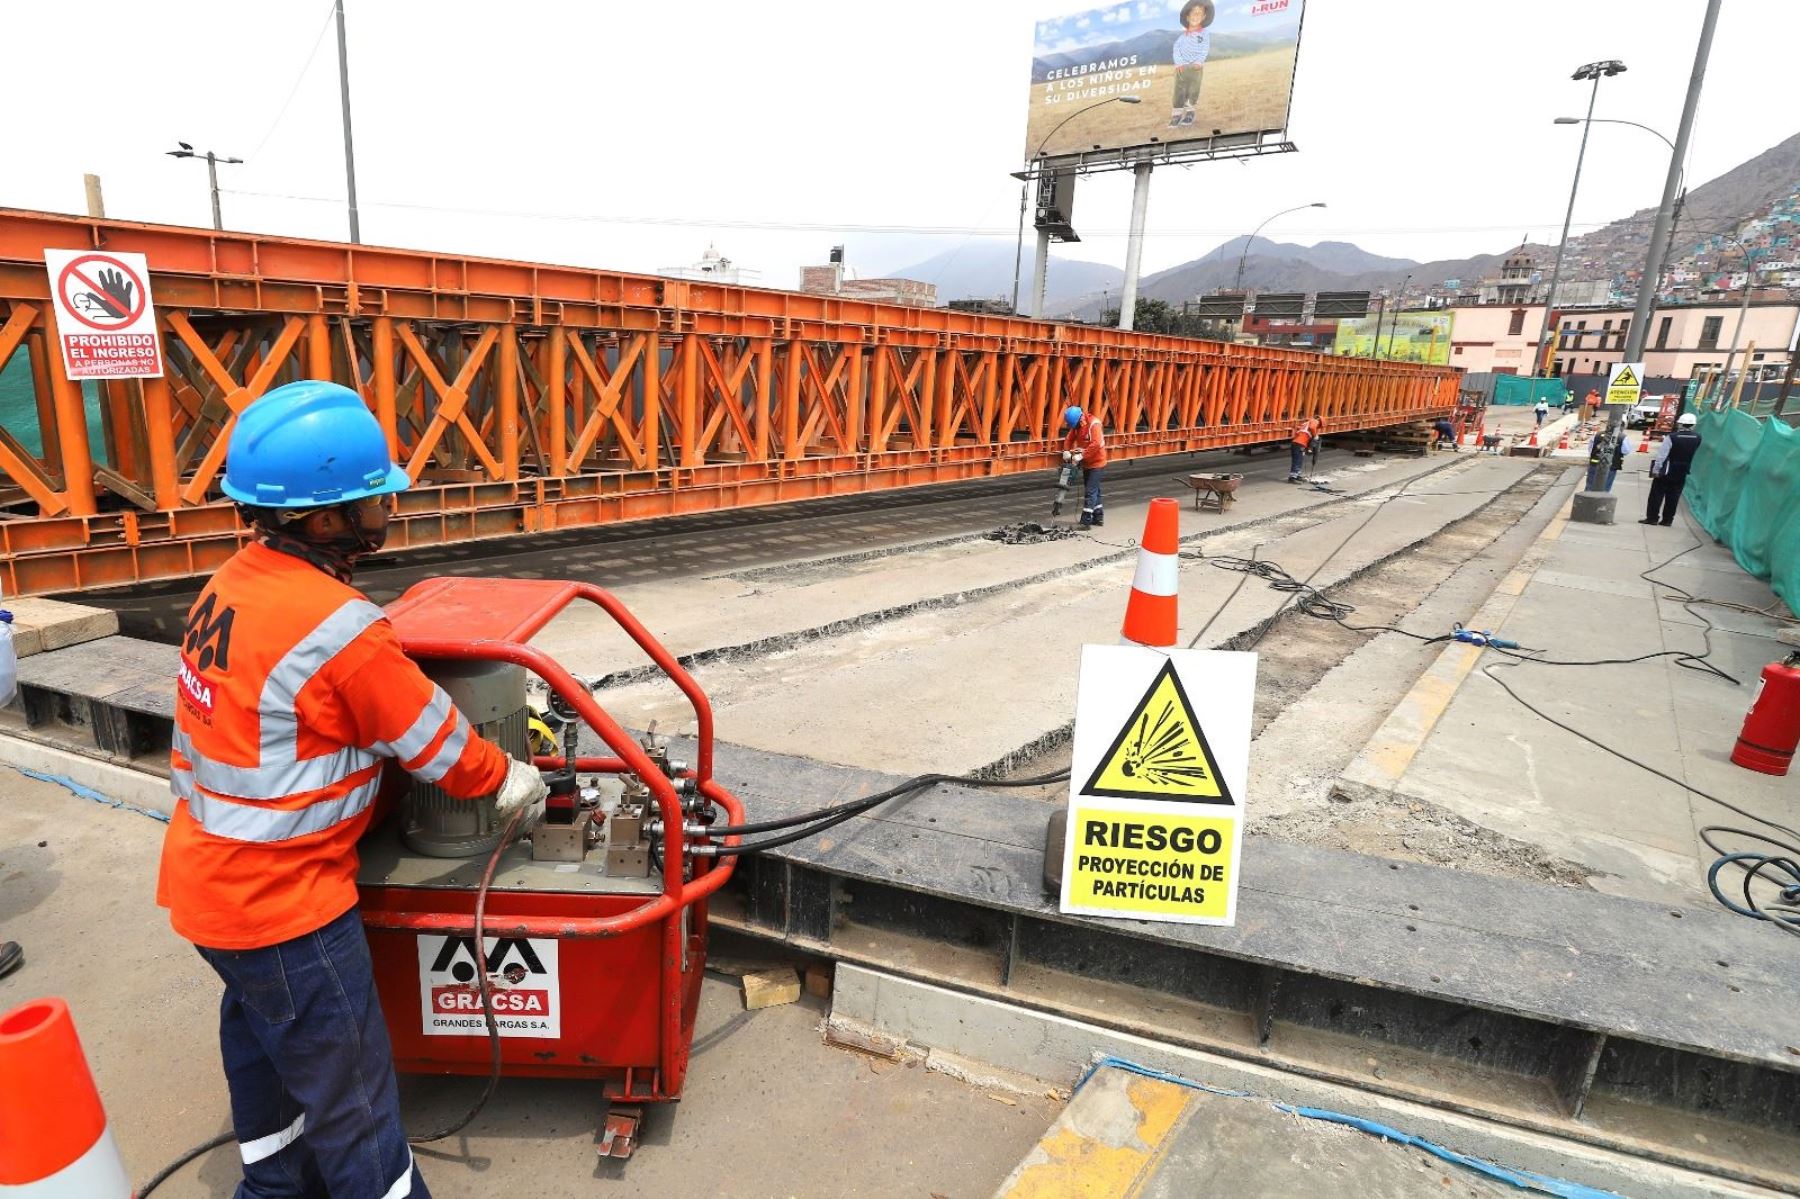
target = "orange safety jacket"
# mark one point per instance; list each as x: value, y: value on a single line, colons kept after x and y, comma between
x: 292, y: 693
x: 1087, y: 437
x: 1303, y: 436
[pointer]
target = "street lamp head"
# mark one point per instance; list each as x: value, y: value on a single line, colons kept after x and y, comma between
x: 1566, y: 121
x: 1596, y: 70
x: 1317, y: 204
x: 1130, y: 99
x: 186, y: 151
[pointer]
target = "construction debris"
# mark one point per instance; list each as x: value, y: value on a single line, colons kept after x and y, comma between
x: 1030, y: 533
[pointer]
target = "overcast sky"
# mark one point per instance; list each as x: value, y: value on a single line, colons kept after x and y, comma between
x: 631, y: 135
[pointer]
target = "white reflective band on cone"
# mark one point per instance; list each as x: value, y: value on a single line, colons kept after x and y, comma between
x: 1156, y: 573
x: 262, y: 1147
x: 96, y: 1174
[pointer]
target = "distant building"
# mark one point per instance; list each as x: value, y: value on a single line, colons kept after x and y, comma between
x: 1500, y: 338
x: 713, y: 267
x: 830, y: 280
x: 999, y: 306
x: 1683, y: 338
x: 1301, y: 334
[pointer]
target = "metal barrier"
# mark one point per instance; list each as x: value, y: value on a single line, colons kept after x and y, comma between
x: 523, y: 398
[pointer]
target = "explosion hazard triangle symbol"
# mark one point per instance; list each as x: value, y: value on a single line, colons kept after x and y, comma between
x: 1161, y: 753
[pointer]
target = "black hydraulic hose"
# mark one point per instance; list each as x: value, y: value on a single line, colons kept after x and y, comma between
x: 487, y: 1014
x: 864, y: 803
x: 486, y: 988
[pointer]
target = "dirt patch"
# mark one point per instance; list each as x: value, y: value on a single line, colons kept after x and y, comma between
x: 1389, y: 826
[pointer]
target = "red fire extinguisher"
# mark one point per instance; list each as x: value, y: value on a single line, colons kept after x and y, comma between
x: 1772, y: 727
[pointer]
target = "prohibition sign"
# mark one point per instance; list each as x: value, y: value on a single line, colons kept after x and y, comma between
x: 99, y: 297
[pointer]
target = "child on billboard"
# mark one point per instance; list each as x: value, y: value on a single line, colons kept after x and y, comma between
x: 1191, y: 49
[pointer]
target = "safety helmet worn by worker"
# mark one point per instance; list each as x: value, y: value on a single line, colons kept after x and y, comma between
x: 1688, y: 420
x: 1072, y: 416
x: 309, y: 444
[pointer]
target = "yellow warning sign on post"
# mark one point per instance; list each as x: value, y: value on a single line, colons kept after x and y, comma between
x: 1156, y: 790
x: 1160, y: 752
x: 1624, y: 382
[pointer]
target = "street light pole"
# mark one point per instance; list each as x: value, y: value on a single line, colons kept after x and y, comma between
x: 349, y: 145
x: 1660, y: 234
x: 1399, y: 303
x: 1238, y: 285
x: 212, y: 174
x: 1595, y: 71
x: 1040, y: 264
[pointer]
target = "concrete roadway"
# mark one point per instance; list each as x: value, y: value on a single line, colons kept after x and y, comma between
x: 770, y: 1109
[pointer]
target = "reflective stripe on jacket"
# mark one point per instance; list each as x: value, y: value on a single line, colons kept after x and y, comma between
x: 292, y: 693
x: 1087, y: 438
x: 1303, y: 436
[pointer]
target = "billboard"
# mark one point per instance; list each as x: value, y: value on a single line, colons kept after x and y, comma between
x: 1405, y: 337
x: 1199, y: 68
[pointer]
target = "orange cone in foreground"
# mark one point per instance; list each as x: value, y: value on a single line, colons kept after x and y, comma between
x: 1644, y: 445
x: 54, y: 1142
x: 1150, y: 616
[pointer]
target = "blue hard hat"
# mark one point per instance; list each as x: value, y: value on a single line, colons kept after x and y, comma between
x: 308, y: 445
x: 1072, y: 416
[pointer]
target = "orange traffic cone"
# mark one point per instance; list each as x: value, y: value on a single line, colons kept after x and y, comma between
x: 1644, y: 446
x: 1150, y: 614
x: 54, y: 1141
x: 1563, y: 443
x: 1533, y: 440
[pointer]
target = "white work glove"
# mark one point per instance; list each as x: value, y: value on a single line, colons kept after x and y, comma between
x: 1068, y: 455
x: 524, y: 786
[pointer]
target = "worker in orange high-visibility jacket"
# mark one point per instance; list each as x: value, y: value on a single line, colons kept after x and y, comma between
x: 1085, y: 446
x: 292, y: 695
x: 1305, y: 439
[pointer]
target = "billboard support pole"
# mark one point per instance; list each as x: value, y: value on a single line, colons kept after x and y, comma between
x: 1040, y: 263
x: 1134, y: 244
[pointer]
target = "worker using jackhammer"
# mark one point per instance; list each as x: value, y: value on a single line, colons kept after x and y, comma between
x: 1305, y: 438
x: 1085, y: 445
x: 294, y: 692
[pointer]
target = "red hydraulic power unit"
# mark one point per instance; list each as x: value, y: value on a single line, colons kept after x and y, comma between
x: 594, y: 930
x: 1772, y: 726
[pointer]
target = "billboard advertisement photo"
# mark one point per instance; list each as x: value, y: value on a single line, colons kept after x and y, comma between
x: 1404, y: 337
x: 1198, y: 69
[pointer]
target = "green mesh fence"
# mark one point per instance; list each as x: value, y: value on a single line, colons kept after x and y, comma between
x: 1745, y: 491
x: 1513, y: 390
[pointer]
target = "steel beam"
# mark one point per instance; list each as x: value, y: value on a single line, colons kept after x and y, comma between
x: 637, y: 396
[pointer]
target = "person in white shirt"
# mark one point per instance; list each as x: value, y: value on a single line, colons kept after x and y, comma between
x: 1542, y: 410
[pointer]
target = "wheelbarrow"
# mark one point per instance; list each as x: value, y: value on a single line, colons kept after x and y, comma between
x: 1218, y: 490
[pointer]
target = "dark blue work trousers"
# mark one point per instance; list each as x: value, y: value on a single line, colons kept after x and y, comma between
x: 1093, y: 508
x: 313, y: 1099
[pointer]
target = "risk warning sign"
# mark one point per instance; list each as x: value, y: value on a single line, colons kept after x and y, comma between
x: 522, y: 981
x: 105, y: 317
x: 1156, y: 799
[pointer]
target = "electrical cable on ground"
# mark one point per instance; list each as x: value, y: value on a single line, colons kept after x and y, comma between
x: 487, y: 1013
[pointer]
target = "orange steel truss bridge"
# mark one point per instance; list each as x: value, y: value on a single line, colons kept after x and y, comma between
x: 524, y: 398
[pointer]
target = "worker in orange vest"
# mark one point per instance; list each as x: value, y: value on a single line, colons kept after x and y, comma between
x: 292, y: 694
x: 1085, y: 445
x: 1305, y: 439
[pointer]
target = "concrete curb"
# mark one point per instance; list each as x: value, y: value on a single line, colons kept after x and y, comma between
x: 1058, y: 1050
x: 130, y: 786
x: 1383, y: 761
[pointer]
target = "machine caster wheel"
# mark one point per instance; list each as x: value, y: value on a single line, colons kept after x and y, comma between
x: 618, y: 1135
